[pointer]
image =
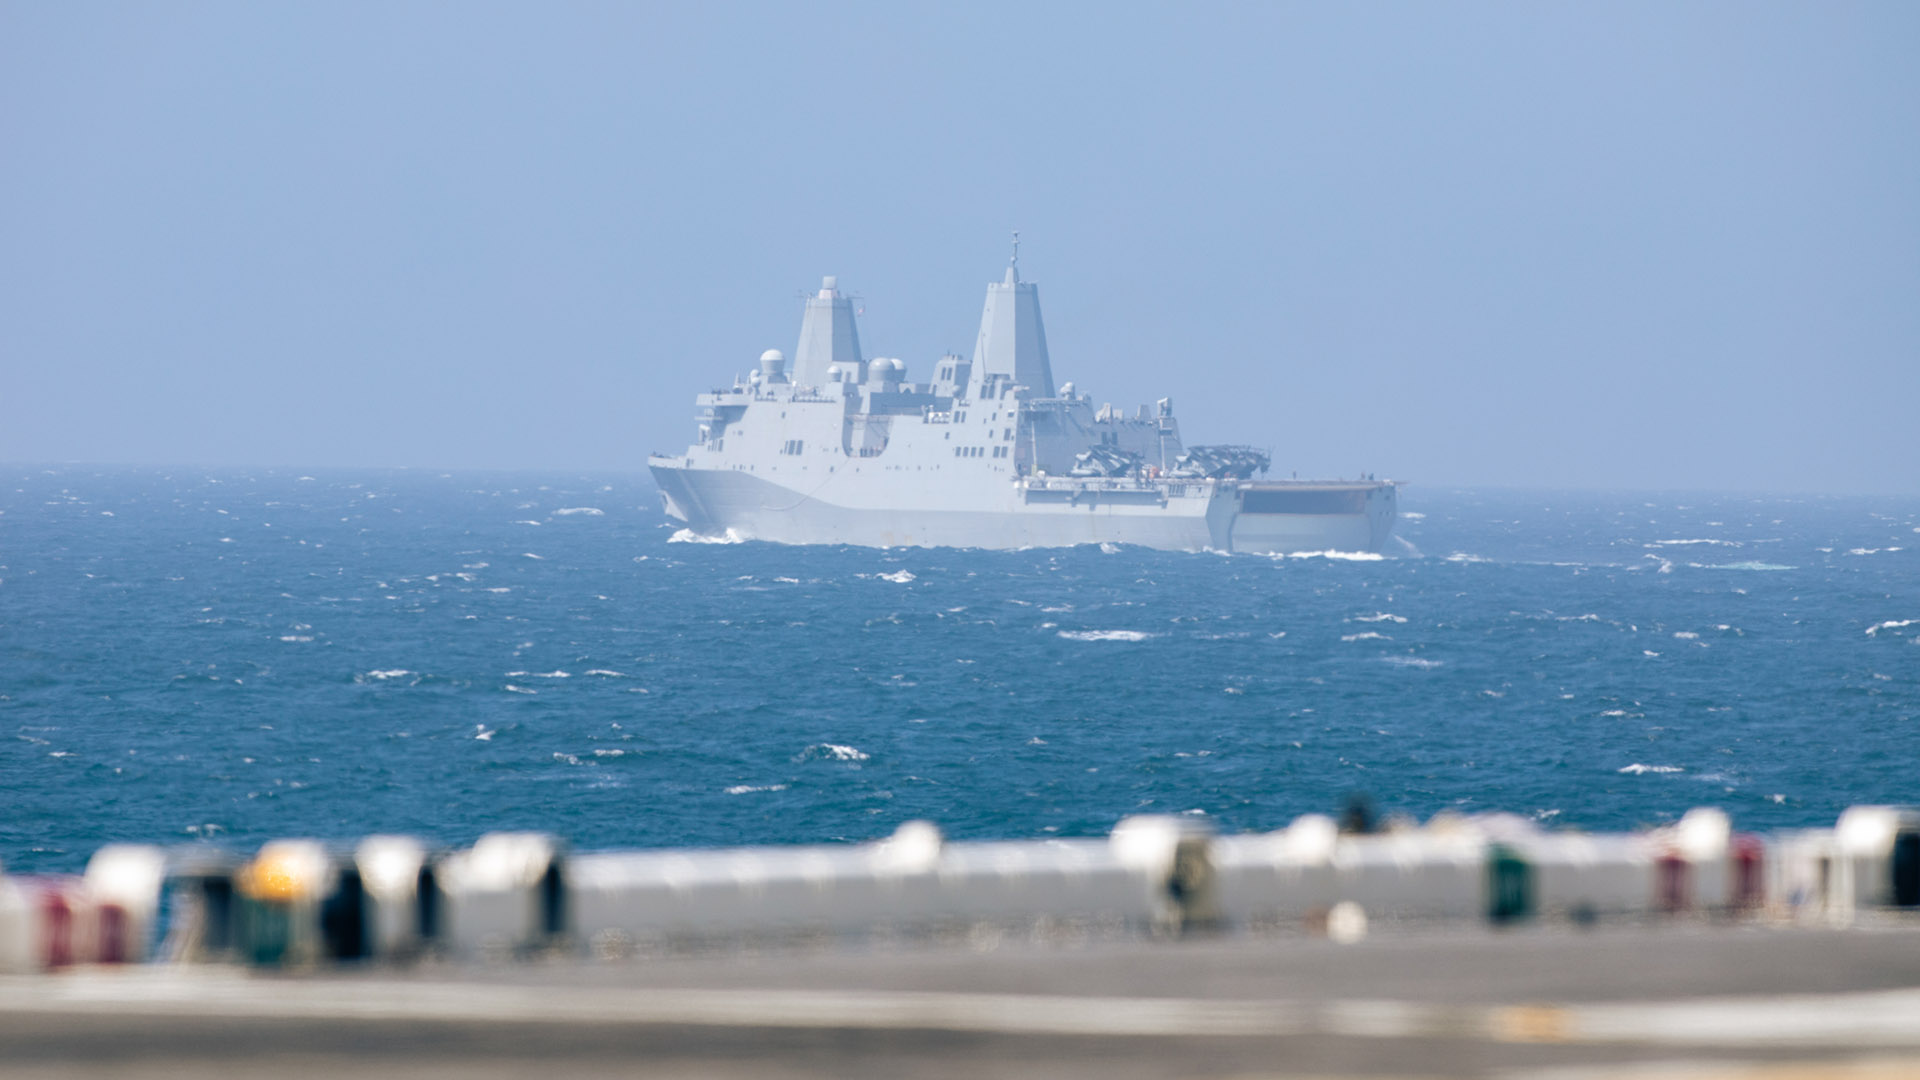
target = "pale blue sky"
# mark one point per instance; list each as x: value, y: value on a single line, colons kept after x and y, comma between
x: 1614, y: 245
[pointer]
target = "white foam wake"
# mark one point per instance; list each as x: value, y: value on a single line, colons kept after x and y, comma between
x: 1351, y: 556
x: 1637, y: 769
x: 1891, y: 624
x: 1105, y: 635
x: 590, y: 511
x: 688, y: 536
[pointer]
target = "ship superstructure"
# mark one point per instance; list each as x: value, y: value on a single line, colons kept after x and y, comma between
x: 988, y: 452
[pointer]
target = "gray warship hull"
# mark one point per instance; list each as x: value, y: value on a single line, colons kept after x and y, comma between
x: 986, y: 454
x: 1195, y: 516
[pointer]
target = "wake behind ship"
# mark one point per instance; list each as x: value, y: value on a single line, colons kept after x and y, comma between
x: 841, y: 449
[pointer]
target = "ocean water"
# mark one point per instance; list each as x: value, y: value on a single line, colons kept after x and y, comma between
x: 188, y: 654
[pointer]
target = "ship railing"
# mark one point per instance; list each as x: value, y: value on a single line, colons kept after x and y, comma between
x: 301, y: 902
x: 1180, y: 487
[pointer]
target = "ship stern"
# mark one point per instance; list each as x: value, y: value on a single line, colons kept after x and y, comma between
x: 1291, y: 517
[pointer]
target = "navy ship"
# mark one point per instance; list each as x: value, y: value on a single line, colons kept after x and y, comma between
x: 988, y: 452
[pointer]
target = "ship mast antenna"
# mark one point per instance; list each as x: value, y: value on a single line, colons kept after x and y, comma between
x: 1013, y: 264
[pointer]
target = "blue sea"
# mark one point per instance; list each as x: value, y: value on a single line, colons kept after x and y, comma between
x: 190, y: 654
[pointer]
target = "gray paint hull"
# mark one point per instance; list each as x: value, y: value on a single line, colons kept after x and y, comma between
x: 1174, y: 517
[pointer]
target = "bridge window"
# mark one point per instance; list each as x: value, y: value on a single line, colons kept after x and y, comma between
x: 793, y: 446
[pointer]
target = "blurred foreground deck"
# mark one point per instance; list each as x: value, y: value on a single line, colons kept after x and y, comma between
x: 1695, y: 1000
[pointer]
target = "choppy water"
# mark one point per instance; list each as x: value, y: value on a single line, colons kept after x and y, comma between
x: 185, y: 654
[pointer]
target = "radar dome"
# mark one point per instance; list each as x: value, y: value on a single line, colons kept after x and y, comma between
x: 773, y: 356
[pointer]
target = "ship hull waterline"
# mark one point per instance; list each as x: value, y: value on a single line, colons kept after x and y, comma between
x: 1198, y: 516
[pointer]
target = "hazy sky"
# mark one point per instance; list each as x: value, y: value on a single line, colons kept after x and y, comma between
x: 1661, y: 245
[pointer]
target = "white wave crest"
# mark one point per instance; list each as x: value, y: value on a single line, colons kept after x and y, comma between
x: 1379, y: 617
x: 1748, y: 565
x: 1679, y: 543
x: 528, y: 522
x: 590, y: 511
x: 483, y: 732
x: 688, y: 536
x: 832, y: 752
x: 296, y: 637
x: 1637, y: 769
x: 1686, y: 635
x: 1891, y: 624
x: 519, y: 689
x: 1351, y: 556
x: 608, y: 673
x: 749, y: 789
x: 1106, y: 635
x: 390, y: 673
x: 898, y: 577
x: 1872, y: 551
x: 1109, y: 549
x: 1420, y: 662
x: 1367, y: 635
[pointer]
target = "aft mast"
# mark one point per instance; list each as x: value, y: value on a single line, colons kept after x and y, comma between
x: 1012, y: 345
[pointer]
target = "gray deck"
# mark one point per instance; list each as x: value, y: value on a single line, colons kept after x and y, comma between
x: 1467, y: 1002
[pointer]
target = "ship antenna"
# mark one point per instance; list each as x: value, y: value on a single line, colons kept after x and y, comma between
x: 1013, y: 264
